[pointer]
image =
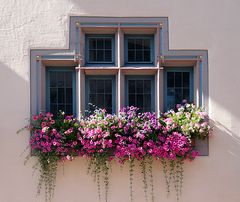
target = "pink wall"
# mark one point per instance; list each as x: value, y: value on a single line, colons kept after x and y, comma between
x: 211, y: 25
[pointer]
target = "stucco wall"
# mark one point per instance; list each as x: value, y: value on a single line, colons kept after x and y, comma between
x: 211, y: 25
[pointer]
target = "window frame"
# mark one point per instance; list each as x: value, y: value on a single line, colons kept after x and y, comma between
x: 152, y: 49
x: 103, y: 77
x: 191, y: 86
x: 47, y: 81
x: 141, y: 77
x: 100, y: 36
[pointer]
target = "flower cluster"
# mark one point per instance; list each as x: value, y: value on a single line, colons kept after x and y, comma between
x: 128, y: 135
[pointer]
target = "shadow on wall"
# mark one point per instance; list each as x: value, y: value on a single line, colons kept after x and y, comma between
x: 15, y: 100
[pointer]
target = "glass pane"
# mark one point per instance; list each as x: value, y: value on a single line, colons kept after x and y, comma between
x: 92, y: 86
x: 147, y: 86
x: 139, y: 44
x: 186, y: 93
x: 146, y: 57
x: 146, y: 44
x: 100, y: 101
x: 108, y: 100
x: 131, y: 43
x: 100, y: 55
x: 68, y: 79
x: 178, y: 96
x: 100, y: 43
x: 131, y: 55
x: 61, y: 95
x: 61, y: 107
x: 108, y: 56
x: 60, y: 79
x: 100, y: 86
x: 186, y: 79
x: 92, y: 55
x: 170, y: 92
x: 108, y: 44
x: 139, y: 56
x: 147, y: 101
x: 92, y: 99
x: 131, y: 100
x: 131, y: 86
x: 108, y: 86
x: 170, y: 79
x: 53, y: 95
x: 69, y: 109
x: 53, y: 109
x: 69, y: 95
x: 92, y: 43
x: 139, y: 100
x: 53, y: 79
x: 178, y: 79
x: 139, y: 86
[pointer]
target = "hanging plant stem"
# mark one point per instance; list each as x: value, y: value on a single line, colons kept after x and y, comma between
x: 105, y: 170
x: 145, y: 184
x: 131, y: 169
x: 150, y: 172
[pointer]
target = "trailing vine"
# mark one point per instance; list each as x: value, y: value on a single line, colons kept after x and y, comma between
x: 127, y: 137
x: 131, y: 170
x: 144, y: 174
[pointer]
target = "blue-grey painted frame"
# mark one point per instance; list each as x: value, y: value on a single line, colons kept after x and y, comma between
x: 140, y: 36
x: 140, y: 77
x: 110, y: 36
x: 110, y: 77
x: 178, y: 69
x: 61, y: 69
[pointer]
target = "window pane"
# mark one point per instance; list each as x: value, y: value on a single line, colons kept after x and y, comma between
x: 178, y: 95
x: 178, y: 79
x: 170, y: 79
x: 108, y: 56
x: 69, y: 109
x: 131, y: 56
x: 186, y: 79
x: 100, y: 86
x: 100, y: 49
x: 100, y: 55
x: 101, y: 94
x: 139, y: 49
x: 60, y: 79
x: 53, y: 95
x: 108, y: 44
x: 131, y: 86
x: 61, y: 95
x: 100, y: 43
x: 147, y: 86
x: 131, y: 100
x: 140, y: 94
x: 108, y: 86
x: 92, y: 55
x: 92, y: 43
x: 92, y: 86
x: 131, y: 44
x: 139, y: 56
x: 53, y: 79
x: 139, y: 86
x: 69, y: 95
x: 100, y: 100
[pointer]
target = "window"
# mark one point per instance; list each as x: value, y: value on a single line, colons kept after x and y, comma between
x: 140, y: 92
x: 100, y: 93
x: 178, y: 86
x: 113, y: 62
x: 60, y: 89
x: 139, y: 49
x: 99, y: 49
